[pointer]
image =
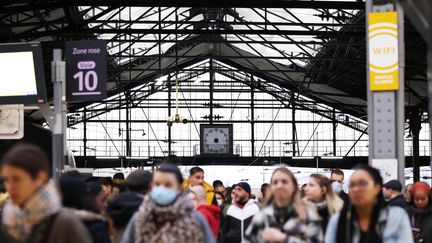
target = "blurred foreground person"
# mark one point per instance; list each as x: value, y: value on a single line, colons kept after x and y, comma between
x: 421, y: 213
x: 320, y: 194
x: 34, y: 212
x: 367, y: 219
x: 286, y: 218
x: 167, y: 214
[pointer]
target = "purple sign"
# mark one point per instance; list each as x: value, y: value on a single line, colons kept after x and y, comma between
x: 86, y: 70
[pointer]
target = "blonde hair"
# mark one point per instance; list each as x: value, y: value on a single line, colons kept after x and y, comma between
x: 298, y: 204
x: 334, y: 203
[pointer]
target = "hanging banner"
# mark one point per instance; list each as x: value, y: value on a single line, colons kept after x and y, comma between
x: 86, y: 70
x: 383, y: 51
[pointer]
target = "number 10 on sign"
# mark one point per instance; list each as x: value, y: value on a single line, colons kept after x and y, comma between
x: 87, y: 82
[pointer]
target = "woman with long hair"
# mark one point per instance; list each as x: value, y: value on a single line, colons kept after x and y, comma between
x: 285, y: 217
x: 367, y: 218
x: 320, y: 194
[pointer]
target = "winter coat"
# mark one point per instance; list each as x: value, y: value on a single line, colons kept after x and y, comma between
x: 207, y: 188
x: 236, y: 221
x: 212, y: 214
x: 129, y: 234
x: 121, y: 209
x: 296, y: 230
x: 393, y: 226
x: 96, y: 224
x: 421, y: 223
x: 398, y: 201
x: 61, y: 227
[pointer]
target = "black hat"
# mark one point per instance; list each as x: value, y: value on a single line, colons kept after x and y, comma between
x: 139, y: 180
x: 245, y: 186
x: 394, y: 185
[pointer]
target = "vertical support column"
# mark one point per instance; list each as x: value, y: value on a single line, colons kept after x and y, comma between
x: 211, y: 90
x: 293, y: 124
x: 415, y: 127
x: 429, y: 76
x: 252, y: 119
x: 128, y: 128
x: 334, y: 132
x: 386, y: 115
x: 169, y: 112
x: 58, y: 77
x: 85, y: 132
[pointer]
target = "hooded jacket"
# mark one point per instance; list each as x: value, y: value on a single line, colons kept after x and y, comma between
x: 212, y: 214
x: 208, y: 189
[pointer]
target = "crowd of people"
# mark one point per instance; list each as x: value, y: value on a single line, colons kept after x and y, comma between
x: 164, y: 207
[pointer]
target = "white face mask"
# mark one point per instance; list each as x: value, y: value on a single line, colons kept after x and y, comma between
x: 219, y: 202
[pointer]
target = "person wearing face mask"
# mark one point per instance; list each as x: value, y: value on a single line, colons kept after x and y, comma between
x: 420, y: 212
x: 220, y: 199
x: 337, y: 177
x: 285, y: 217
x: 210, y: 212
x: 167, y: 214
x: 319, y: 193
x: 367, y: 218
x: 239, y: 214
x: 34, y: 212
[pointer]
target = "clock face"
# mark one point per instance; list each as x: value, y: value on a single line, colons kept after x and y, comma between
x: 216, y: 140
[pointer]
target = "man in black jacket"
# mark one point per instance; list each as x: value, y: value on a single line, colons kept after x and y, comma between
x: 393, y: 195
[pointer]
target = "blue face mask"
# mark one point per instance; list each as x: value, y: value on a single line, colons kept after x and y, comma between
x: 163, y: 196
x: 336, y: 186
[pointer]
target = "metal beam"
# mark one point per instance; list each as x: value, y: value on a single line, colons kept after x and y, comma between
x: 53, y: 4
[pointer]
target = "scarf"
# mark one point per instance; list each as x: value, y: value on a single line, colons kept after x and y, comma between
x: 173, y: 223
x: 19, y: 222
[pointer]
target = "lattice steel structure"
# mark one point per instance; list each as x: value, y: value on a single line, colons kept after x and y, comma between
x: 302, y: 61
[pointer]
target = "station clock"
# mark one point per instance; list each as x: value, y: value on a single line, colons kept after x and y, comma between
x: 216, y: 139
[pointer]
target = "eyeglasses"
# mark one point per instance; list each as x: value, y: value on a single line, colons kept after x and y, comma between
x: 361, y: 185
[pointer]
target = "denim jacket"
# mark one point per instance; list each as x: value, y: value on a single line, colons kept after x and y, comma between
x: 396, y: 228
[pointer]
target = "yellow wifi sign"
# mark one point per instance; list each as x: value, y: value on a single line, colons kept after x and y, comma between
x: 383, y: 51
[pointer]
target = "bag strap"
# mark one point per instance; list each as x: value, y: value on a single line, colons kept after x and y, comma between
x: 49, y: 226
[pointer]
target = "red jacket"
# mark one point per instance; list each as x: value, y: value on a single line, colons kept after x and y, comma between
x: 212, y: 214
